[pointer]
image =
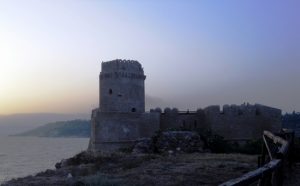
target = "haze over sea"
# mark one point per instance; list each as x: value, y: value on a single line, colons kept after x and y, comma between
x: 22, y: 156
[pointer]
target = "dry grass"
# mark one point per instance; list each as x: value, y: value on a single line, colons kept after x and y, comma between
x: 182, y: 169
x: 146, y: 170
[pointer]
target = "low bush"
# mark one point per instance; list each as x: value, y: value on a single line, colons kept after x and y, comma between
x: 217, y: 144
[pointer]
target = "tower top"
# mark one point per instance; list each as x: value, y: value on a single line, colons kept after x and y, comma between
x: 122, y: 65
x: 122, y: 86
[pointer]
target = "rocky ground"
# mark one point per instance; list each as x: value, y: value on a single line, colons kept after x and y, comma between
x: 143, y: 169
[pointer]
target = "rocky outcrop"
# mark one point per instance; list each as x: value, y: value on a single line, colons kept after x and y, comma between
x: 82, y: 158
x: 185, y: 141
x: 170, y: 141
x: 144, y: 145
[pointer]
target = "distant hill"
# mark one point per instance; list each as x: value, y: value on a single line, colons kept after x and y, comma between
x: 73, y: 128
x: 18, y: 123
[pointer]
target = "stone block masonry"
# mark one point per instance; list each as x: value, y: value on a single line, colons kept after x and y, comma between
x: 244, y: 122
x: 122, y: 87
x: 113, y: 130
x: 121, y: 119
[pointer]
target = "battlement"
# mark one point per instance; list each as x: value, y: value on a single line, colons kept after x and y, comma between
x: 122, y: 65
x: 245, y: 109
x: 249, y: 120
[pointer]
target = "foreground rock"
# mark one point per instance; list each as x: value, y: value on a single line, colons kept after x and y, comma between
x: 185, y: 169
x: 185, y: 141
x: 171, y: 142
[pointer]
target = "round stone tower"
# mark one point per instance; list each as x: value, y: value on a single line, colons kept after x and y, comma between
x: 122, y: 87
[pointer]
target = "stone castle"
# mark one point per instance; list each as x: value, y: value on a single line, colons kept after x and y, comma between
x: 121, y: 118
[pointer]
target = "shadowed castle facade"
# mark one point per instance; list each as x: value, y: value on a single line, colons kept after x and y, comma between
x: 121, y: 118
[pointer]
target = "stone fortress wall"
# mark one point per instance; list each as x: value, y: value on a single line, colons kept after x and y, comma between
x: 233, y: 122
x: 113, y: 130
x: 121, y: 118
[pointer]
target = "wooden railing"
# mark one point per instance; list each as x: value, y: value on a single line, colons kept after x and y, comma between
x: 275, y: 158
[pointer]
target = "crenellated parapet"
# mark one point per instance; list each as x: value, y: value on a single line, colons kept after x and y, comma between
x: 228, y: 110
x: 244, y: 121
x: 242, y: 110
x: 122, y: 65
x: 118, y: 68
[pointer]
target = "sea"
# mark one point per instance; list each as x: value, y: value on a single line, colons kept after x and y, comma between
x: 23, y: 156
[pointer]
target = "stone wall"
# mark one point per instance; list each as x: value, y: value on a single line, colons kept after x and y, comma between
x: 232, y: 122
x: 112, y: 130
x: 121, y: 118
x: 243, y: 122
x: 173, y: 119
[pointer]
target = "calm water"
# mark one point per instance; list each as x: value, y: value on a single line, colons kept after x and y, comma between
x: 22, y: 156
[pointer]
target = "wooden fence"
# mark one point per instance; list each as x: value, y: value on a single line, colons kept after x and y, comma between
x: 275, y: 158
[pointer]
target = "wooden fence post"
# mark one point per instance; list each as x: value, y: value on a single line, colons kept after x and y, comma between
x: 278, y: 151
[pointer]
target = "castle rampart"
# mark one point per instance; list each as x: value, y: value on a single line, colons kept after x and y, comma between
x: 248, y: 120
x: 121, y: 118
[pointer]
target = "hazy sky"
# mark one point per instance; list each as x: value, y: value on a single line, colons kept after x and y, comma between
x: 194, y: 53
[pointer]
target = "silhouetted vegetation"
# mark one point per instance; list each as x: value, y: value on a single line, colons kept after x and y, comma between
x: 217, y: 144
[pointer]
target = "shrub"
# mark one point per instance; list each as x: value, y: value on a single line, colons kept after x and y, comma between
x: 251, y: 147
x: 217, y: 144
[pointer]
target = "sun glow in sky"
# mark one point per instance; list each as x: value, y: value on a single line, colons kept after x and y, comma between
x: 194, y: 53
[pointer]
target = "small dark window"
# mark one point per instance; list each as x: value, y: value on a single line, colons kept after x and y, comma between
x: 110, y: 91
x: 195, y: 124
x: 133, y: 110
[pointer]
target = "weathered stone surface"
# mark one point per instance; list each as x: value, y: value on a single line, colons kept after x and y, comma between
x: 170, y: 142
x: 185, y: 141
x: 81, y: 158
x: 249, y: 120
x: 114, y: 130
x: 121, y: 119
x: 145, y: 145
x: 122, y: 86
